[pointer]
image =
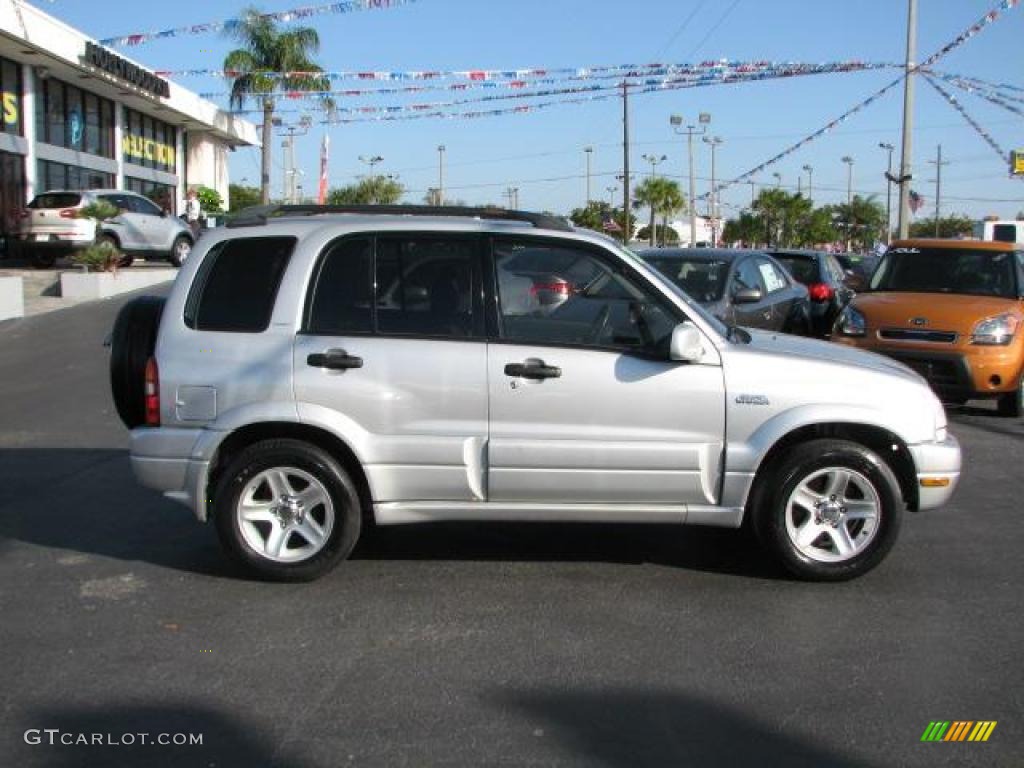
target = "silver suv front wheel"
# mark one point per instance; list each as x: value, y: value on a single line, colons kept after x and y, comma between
x: 287, y: 510
x: 830, y: 510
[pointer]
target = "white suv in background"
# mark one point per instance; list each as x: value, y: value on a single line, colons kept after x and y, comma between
x: 313, y: 368
x: 50, y: 227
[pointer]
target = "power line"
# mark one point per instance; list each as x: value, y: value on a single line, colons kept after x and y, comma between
x: 714, y: 29
x: 682, y: 27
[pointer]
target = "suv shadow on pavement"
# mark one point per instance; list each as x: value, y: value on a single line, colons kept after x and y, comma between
x: 92, y: 505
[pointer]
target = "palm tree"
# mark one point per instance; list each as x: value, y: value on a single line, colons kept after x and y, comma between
x: 265, y: 65
x: 662, y: 196
x: 863, y: 221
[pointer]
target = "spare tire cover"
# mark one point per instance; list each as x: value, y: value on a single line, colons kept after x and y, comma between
x: 131, y: 345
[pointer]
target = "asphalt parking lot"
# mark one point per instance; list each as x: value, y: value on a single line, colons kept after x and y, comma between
x: 477, y: 645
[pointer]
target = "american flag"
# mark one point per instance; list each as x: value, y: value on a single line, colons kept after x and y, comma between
x: 916, y: 201
x: 321, y: 196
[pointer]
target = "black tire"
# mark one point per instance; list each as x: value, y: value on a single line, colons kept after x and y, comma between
x: 174, y: 257
x: 131, y: 344
x: 270, y: 454
x: 43, y: 259
x: 1011, y: 405
x: 800, y: 464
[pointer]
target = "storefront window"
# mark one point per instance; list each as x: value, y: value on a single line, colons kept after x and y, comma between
x: 59, y: 176
x: 148, y: 142
x: 161, y: 194
x: 12, y: 192
x: 10, y: 97
x: 67, y: 116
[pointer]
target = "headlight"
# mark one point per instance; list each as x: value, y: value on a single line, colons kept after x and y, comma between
x: 995, y: 331
x: 851, y: 323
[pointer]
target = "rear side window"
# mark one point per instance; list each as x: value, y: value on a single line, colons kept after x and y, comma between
x: 56, y: 200
x: 237, y: 283
x: 803, y: 268
x: 343, y: 292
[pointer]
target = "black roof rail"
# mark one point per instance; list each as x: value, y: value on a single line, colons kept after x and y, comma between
x: 261, y: 214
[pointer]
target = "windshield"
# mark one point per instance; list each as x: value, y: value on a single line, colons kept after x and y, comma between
x: 703, y: 279
x: 947, y: 270
x: 692, y: 306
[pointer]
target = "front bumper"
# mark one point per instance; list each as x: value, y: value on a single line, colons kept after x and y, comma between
x: 938, y: 471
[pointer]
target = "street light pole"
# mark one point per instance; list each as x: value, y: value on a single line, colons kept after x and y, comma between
x: 676, y: 121
x: 908, y: 120
x: 440, y: 174
x: 849, y: 201
x: 611, y: 196
x: 888, y: 191
x: 938, y: 162
x: 778, y: 179
x: 714, y: 142
x: 810, y: 183
x: 371, y: 161
x: 625, y: 161
x: 589, y: 151
x: 654, y: 160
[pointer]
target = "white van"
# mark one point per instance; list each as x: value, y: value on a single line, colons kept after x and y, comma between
x: 1004, y: 231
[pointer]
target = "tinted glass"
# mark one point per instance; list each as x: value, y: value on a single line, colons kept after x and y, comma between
x: 1005, y: 233
x: 237, y: 283
x: 55, y: 200
x: 342, y: 300
x: 747, y: 276
x: 425, y: 286
x: 704, y: 280
x: 803, y: 268
x: 772, y: 276
x: 564, y: 295
x: 947, y: 270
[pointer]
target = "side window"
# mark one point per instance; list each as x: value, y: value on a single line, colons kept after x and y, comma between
x: 747, y: 276
x: 342, y: 295
x: 235, y: 288
x: 118, y: 201
x: 772, y: 277
x: 557, y: 294
x: 142, y: 205
x: 426, y: 286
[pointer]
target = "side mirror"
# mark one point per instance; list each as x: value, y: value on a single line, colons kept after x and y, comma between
x: 164, y: 213
x: 686, y: 343
x: 747, y: 296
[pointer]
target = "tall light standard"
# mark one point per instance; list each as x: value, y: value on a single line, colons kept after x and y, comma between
x: 714, y: 142
x: 890, y: 148
x: 440, y: 174
x: 371, y: 161
x: 611, y: 195
x: 676, y: 122
x: 654, y: 160
x: 778, y: 179
x: 810, y: 183
x: 849, y: 200
x: 588, y: 151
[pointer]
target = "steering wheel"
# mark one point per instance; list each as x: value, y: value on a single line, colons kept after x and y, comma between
x: 600, y: 324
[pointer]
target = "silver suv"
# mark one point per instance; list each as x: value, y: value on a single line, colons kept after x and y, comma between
x: 50, y: 227
x: 313, y: 370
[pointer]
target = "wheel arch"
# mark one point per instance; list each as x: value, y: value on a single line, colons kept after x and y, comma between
x: 112, y: 235
x: 247, y: 435
x: 889, y: 446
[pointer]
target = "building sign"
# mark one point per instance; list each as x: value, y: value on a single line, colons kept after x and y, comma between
x: 121, y: 68
x: 139, y: 148
x: 1017, y: 162
x: 9, y: 103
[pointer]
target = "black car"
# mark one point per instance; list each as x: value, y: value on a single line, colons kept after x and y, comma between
x: 829, y: 285
x: 740, y: 287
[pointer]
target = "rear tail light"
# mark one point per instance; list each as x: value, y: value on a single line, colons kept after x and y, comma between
x: 559, y: 288
x: 152, y: 393
x: 69, y: 213
x: 820, y: 291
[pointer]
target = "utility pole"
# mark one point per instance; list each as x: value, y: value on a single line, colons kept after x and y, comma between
x: 810, y: 183
x: 588, y: 151
x: 513, y: 198
x: 888, y: 191
x: 715, y: 142
x: 625, y: 161
x: 290, y: 172
x: 676, y: 121
x: 654, y: 160
x: 440, y: 174
x: 938, y: 163
x: 849, y: 201
x: 908, y: 121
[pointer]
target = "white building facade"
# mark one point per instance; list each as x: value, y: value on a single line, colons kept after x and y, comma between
x: 76, y: 115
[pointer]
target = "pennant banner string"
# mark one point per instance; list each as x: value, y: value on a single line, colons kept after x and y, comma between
x: 955, y: 104
x: 294, y: 14
x: 977, y: 81
x: 725, y: 78
x: 976, y: 87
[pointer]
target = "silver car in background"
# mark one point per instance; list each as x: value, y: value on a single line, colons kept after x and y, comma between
x: 51, y: 227
x: 316, y: 368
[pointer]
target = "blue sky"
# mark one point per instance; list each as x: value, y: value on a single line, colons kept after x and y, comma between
x: 542, y: 153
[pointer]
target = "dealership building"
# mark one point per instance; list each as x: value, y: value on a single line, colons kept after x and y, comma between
x: 77, y: 115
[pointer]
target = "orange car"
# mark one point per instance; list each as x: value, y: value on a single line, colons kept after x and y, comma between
x: 953, y: 310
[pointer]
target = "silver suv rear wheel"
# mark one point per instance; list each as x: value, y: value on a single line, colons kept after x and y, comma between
x: 287, y: 510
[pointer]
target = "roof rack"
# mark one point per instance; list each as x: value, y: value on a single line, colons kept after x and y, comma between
x: 260, y: 214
